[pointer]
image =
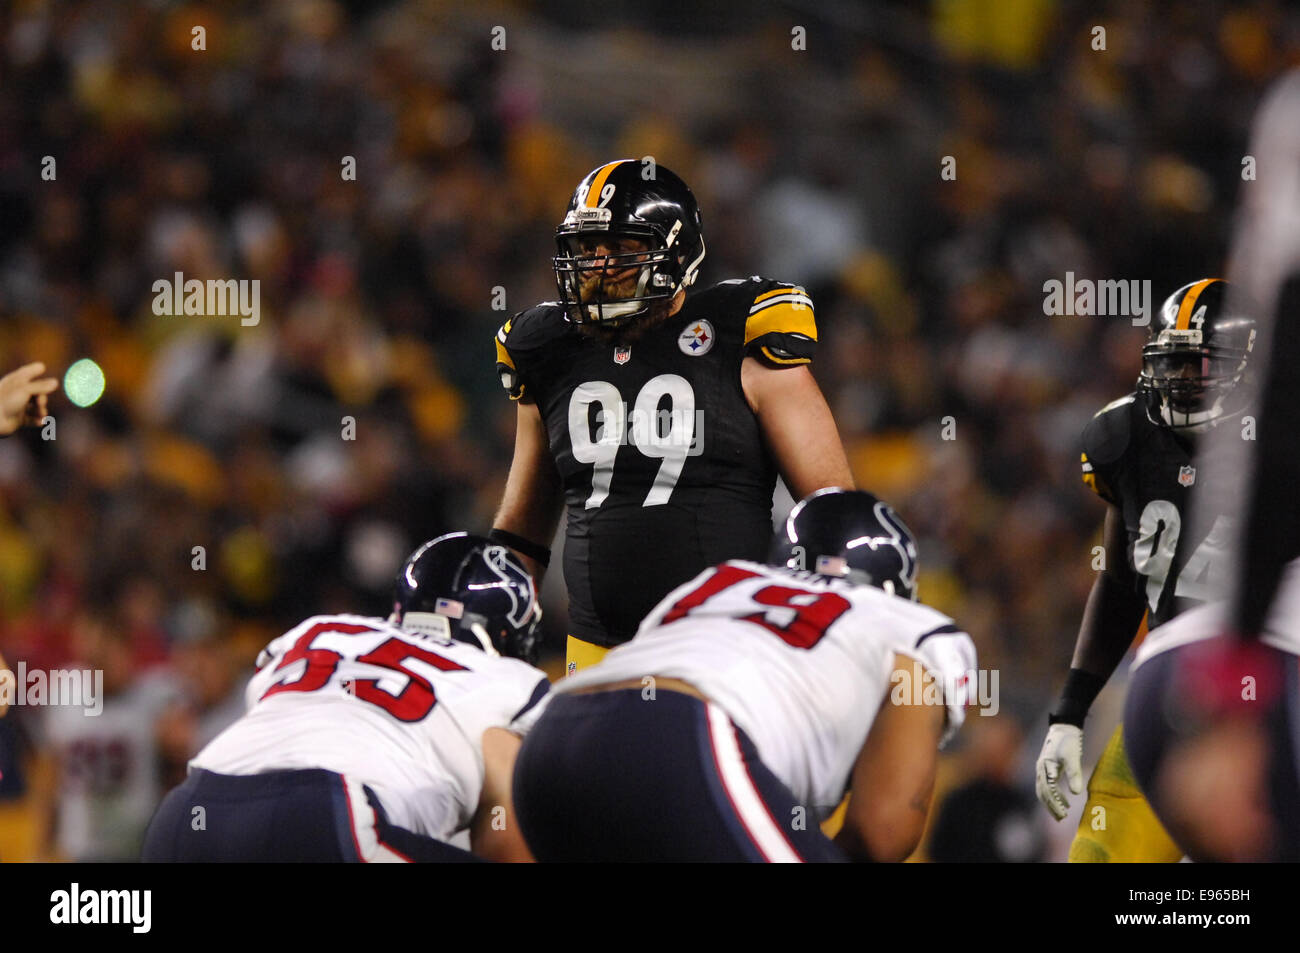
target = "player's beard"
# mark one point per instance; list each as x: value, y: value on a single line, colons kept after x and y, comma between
x: 657, y: 311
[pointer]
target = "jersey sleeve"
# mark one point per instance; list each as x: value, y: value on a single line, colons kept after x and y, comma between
x: 948, y: 655
x: 1105, y: 439
x: 507, y: 368
x: 521, y: 346
x: 267, y: 660
x: 532, y: 709
x: 780, y: 325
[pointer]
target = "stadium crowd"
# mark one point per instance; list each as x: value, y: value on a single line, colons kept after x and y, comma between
x: 237, y: 477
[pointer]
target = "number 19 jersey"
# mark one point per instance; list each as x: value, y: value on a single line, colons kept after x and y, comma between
x: 663, y: 463
x: 800, y: 662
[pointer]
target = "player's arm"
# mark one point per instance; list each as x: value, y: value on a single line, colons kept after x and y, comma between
x: 494, y: 833
x: 530, y: 508
x: 23, y: 396
x: 893, y: 778
x: 1110, y: 621
x: 798, y: 426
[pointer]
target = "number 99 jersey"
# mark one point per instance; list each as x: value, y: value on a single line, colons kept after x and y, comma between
x: 663, y: 464
x: 1150, y: 474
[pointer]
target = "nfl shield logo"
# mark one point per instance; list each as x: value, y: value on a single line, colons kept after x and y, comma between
x: 622, y: 355
x: 1186, y: 476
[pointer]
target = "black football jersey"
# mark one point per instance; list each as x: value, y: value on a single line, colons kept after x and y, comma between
x: 664, y: 466
x: 1148, y: 471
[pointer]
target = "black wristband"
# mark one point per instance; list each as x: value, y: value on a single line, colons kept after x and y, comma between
x: 533, y: 551
x: 1081, y: 690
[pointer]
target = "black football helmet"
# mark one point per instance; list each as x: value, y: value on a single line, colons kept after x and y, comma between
x: 470, y: 589
x: 1196, y: 356
x: 632, y: 236
x: 849, y: 533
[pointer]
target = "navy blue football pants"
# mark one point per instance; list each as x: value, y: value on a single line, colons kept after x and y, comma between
x: 1152, y: 728
x: 612, y: 776
x: 307, y: 816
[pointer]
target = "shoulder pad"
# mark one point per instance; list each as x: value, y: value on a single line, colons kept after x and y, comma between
x: 526, y: 332
x: 776, y: 317
x: 1105, y: 439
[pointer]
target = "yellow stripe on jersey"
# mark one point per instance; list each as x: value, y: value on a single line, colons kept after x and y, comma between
x: 1089, y: 477
x: 503, y: 356
x: 779, y: 291
x: 1189, y: 302
x: 784, y: 316
x: 598, y: 183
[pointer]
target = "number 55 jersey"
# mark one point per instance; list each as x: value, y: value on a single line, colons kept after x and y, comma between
x: 663, y: 463
x: 800, y: 662
x: 399, y: 712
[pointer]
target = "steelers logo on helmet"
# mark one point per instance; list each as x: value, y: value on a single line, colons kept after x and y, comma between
x: 1197, y: 354
x: 627, y: 245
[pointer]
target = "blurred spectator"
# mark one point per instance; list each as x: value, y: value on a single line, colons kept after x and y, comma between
x: 106, y: 767
x: 993, y: 817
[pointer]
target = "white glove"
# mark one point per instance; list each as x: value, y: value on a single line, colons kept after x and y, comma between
x: 1062, y: 750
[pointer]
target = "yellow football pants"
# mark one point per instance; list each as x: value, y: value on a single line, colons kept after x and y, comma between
x: 1118, y: 825
x: 580, y: 655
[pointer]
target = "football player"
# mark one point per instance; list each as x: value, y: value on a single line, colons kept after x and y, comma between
x: 1233, y: 791
x: 1138, y: 457
x: 1215, y: 721
x: 751, y: 700
x: 377, y: 740
x: 661, y: 420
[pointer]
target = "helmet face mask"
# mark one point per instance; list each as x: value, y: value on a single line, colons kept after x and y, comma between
x: 1189, y: 388
x: 627, y: 246
x: 1192, y: 374
x: 612, y: 278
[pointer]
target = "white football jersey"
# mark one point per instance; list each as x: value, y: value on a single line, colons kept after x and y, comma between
x: 1281, y: 628
x: 800, y: 662
x: 401, y: 712
x: 109, y: 778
